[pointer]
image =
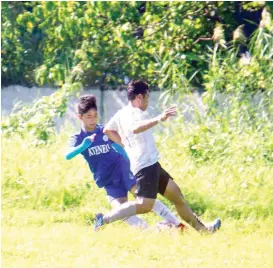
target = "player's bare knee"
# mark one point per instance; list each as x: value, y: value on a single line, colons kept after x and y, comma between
x: 144, y: 206
x: 140, y: 208
x: 147, y: 208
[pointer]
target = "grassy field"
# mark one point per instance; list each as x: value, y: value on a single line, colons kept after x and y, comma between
x: 59, y: 239
x: 48, y: 205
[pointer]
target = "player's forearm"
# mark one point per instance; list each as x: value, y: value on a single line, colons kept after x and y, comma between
x: 120, y: 149
x: 113, y: 136
x: 80, y: 148
x: 147, y: 124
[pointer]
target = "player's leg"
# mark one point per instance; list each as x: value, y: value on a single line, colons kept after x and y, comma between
x: 127, y: 209
x: 146, y: 191
x: 133, y: 220
x: 117, y: 195
x: 174, y: 194
x: 145, y: 185
x: 161, y: 210
x: 171, y: 191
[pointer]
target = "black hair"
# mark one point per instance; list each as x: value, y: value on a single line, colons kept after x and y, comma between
x: 136, y: 87
x: 85, y: 103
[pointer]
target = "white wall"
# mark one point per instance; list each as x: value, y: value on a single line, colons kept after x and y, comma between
x: 113, y: 100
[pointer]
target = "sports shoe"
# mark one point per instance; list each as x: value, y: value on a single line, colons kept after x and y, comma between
x: 167, y: 225
x: 181, y: 227
x: 98, y: 221
x: 214, y: 226
x: 164, y: 225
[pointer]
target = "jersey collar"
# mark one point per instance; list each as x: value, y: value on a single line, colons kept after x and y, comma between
x: 91, y: 132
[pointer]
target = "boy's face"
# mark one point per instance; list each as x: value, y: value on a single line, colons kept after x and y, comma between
x: 89, y: 119
x: 144, y: 101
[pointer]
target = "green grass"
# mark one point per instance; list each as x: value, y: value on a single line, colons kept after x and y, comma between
x: 55, y: 239
x: 48, y: 205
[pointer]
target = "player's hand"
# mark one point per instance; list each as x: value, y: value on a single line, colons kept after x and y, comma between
x: 171, y: 111
x: 92, y: 137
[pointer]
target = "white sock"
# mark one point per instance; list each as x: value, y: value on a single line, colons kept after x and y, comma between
x: 163, y: 211
x: 136, y: 221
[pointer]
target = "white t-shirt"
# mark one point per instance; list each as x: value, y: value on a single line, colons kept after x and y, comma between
x: 141, y: 147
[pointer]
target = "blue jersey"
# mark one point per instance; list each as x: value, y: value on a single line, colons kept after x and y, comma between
x: 101, y: 157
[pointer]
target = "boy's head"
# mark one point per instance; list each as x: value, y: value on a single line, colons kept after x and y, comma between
x: 138, y: 94
x: 87, y: 111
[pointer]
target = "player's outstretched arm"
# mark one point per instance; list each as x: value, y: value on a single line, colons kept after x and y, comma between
x: 74, y: 151
x: 147, y: 124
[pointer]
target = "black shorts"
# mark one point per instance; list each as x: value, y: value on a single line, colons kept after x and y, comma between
x: 151, y: 180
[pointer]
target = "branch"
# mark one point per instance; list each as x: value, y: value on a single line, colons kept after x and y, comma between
x: 202, y: 39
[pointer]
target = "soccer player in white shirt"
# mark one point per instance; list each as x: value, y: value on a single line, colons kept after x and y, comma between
x: 130, y: 128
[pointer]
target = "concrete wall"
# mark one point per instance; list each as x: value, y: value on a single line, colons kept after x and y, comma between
x: 113, y: 100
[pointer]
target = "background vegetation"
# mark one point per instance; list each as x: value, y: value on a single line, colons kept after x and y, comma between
x: 222, y: 159
x: 105, y: 41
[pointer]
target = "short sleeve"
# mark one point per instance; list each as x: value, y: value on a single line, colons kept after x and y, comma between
x: 113, y: 123
x: 102, y: 127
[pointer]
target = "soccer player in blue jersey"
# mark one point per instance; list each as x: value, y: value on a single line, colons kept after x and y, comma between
x: 108, y: 162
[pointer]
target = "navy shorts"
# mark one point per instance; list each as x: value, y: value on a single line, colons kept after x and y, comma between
x: 122, y: 180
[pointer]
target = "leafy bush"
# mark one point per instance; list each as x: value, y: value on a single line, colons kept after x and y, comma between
x: 250, y: 73
x: 105, y: 41
x: 37, y: 121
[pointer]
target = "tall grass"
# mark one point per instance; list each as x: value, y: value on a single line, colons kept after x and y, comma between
x: 221, y: 172
x: 49, y: 203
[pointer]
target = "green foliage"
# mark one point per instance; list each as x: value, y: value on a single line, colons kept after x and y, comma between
x: 251, y: 72
x: 221, y: 171
x: 37, y: 121
x: 221, y: 166
x: 228, y: 150
x: 41, y: 178
x: 104, y: 41
x: 20, y: 43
